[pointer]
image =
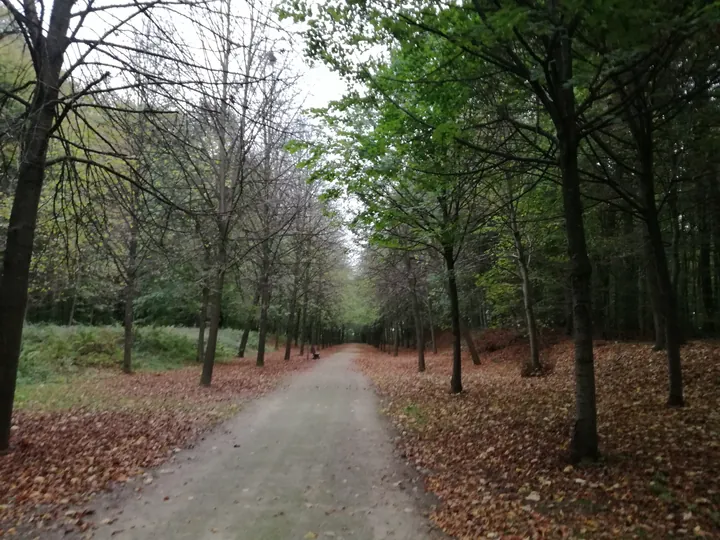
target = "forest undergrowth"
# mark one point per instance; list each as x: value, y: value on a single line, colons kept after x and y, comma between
x: 72, y: 440
x: 496, y: 455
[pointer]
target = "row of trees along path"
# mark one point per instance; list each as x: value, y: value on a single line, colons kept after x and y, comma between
x: 486, y: 131
x: 146, y: 172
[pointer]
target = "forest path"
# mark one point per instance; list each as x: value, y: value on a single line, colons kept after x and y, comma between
x: 312, y: 458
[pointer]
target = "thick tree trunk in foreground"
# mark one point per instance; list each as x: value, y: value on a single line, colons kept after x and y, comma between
x: 585, y: 441
x: 49, y: 53
x: 456, y: 380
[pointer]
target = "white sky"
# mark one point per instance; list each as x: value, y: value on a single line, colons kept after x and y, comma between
x: 321, y: 85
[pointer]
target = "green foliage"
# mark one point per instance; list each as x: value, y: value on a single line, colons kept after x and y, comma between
x: 359, y: 308
x: 50, y: 353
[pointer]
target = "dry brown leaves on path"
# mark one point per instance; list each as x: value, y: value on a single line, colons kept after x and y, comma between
x: 495, y: 454
x: 109, y: 429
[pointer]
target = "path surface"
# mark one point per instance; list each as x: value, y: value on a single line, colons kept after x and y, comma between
x: 313, y: 458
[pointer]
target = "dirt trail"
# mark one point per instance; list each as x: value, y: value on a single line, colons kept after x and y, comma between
x: 313, y: 458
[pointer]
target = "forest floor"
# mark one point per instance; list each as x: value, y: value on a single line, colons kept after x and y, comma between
x: 495, y: 455
x: 74, y: 438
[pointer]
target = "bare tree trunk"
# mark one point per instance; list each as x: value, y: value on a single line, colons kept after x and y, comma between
x: 290, y: 324
x: 296, y: 330
x: 264, y: 305
x: 533, y: 366
x: 584, y: 442
x: 130, y: 297
x: 704, y: 263
x: 49, y: 54
x: 417, y: 316
x: 216, y: 308
x: 664, y: 293
x: 202, y: 322
x: 655, y: 297
x: 467, y: 335
x: 248, y: 325
x: 396, y: 336
x: 73, y: 306
x: 431, y: 322
x: 128, y: 324
x: 456, y: 380
x: 303, y: 324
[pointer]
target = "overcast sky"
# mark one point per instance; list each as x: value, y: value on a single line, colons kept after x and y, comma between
x: 321, y: 86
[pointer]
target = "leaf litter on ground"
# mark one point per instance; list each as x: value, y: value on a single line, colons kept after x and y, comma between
x: 495, y: 455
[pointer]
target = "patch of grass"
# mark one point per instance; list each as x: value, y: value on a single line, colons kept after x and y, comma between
x: 53, y: 354
x: 52, y: 396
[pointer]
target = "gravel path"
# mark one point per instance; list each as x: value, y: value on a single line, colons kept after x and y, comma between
x: 311, y: 460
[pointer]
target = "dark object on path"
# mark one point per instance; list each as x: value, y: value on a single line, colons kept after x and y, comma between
x: 315, y: 354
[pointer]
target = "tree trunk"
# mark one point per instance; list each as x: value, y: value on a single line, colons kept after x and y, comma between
x: 296, y: 329
x: 664, y: 293
x: 467, y: 335
x: 248, y: 325
x: 128, y: 324
x: 216, y: 308
x: 431, y: 322
x: 704, y: 264
x: 655, y: 297
x: 396, y: 335
x: 129, y: 298
x: 533, y: 365
x: 202, y: 322
x: 456, y: 380
x: 665, y: 298
x: 23, y: 216
x: 584, y: 442
x: 417, y: 318
x: 303, y: 324
x: 264, y: 305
